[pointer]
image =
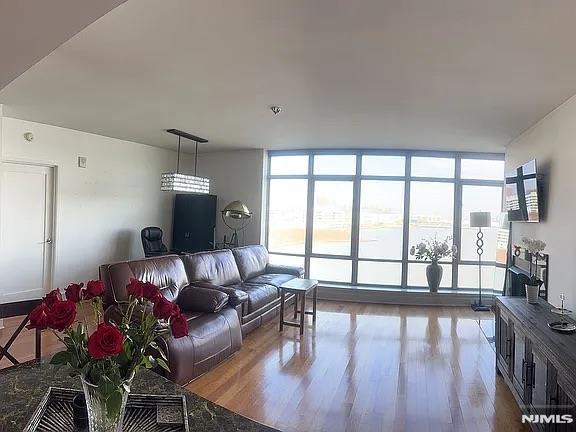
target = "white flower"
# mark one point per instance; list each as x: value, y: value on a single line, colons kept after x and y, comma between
x: 533, y: 246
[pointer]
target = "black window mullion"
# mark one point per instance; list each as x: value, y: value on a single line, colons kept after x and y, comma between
x: 406, y: 222
x: 309, y: 217
x: 457, y: 223
x: 267, y: 215
x: 355, y: 240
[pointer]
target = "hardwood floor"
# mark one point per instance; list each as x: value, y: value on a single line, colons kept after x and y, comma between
x: 368, y: 368
x: 363, y: 367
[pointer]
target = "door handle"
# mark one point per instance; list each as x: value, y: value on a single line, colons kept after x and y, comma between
x: 523, y: 371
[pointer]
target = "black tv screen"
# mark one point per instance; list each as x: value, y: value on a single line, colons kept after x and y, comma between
x: 522, y: 197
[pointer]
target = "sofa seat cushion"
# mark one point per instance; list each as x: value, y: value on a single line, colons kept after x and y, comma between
x: 271, y: 279
x: 259, y: 295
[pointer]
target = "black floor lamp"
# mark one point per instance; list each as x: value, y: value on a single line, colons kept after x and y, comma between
x: 480, y: 220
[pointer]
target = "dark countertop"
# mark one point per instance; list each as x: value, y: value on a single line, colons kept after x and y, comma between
x: 22, y: 388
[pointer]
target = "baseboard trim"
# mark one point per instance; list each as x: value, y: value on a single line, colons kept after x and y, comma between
x: 400, y: 297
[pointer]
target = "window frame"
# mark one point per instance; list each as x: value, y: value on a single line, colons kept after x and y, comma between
x: 356, y: 179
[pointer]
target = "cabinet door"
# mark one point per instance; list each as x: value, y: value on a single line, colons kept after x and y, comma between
x: 537, y: 382
x: 503, y: 343
x: 562, y: 404
x: 519, y: 361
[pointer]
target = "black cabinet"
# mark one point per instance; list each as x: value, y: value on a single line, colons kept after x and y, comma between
x: 194, y: 222
x: 537, y: 364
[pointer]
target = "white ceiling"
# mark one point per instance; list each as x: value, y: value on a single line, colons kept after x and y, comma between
x: 429, y: 74
x: 30, y: 29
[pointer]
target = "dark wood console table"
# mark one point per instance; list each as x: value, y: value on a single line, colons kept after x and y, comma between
x: 537, y: 363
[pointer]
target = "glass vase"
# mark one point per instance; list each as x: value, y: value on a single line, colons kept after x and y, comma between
x: 100, y: 417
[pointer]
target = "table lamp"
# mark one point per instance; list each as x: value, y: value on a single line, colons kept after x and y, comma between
x: 480, y: 220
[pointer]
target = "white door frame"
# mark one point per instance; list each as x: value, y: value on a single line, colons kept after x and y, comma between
x: 55, y: 206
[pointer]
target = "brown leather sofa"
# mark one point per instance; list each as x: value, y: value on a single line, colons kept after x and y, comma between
x: 245, y: 274
x: 224, y: 294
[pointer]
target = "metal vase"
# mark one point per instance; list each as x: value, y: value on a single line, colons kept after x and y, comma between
x: 434, y: 276
x: 532, y: 292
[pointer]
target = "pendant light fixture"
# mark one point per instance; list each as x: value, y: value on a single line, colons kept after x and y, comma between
x: 176, y: 182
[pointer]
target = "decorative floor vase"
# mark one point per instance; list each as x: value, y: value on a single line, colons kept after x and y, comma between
x: 103, y: 417
x: 434, y: 276
x: 532, y: 292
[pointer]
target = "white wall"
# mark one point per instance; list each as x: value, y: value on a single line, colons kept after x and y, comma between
x: 235, y: 175
x: 552, y: 141
x: 100, y: 209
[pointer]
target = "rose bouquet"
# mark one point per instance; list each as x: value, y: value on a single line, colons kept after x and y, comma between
x: 107, y: 354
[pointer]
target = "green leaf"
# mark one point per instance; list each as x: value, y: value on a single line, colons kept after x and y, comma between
x: 113, y: 404
x: 163, y: 364
x: 147, y: 362
x: 61, y: 358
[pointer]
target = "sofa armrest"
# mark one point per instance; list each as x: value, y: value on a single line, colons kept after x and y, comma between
x: 282, y: 269
x: 235, y: 296
x: 199, y: 299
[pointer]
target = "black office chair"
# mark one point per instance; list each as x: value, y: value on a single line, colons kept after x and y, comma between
x: 152, y: 242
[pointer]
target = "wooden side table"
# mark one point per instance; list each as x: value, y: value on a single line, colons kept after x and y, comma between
x: 300, y: 288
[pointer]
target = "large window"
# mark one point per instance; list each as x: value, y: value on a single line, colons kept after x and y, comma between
x: 350, y: 217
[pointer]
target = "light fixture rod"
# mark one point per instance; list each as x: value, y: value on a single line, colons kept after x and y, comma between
x: 178, y: 158
x: 187, y: 135
x: 196, y: 159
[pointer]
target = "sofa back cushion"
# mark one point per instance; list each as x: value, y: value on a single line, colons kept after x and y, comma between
x: 216, y: 267
x: 251, y: 260
x: 167, y: 272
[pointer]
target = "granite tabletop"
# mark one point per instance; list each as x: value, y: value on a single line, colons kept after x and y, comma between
x: 22, y: 388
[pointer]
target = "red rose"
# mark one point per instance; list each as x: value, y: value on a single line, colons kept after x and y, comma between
x: 61, y: 314
x: 38, y: 318
x: 74, y: 292
x: 163, y: 309
x: 135, y: 288
x: 179, y: 326
x: 52, y: 297
x: 94, y: 288
x: 175, y: 310
x: 150, y: 292
x: 106, y: 341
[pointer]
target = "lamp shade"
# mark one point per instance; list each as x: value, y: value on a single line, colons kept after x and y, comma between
x: 480, y: 219
x: 237, y: 210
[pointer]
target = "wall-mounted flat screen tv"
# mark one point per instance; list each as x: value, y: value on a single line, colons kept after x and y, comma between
x: 522, y: 193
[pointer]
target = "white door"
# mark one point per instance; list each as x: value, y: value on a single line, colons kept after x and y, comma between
x: 26, y: 218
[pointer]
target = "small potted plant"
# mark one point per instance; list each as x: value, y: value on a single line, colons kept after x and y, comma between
x: 534, y: 248
x: 107, y: 355
x: 433, y: 250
